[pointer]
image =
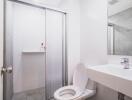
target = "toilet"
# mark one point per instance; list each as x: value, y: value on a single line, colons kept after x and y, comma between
x: 79, y: 90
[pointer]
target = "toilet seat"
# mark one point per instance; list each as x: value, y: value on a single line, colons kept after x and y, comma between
x: 78, y: 90
x: 68, y: 93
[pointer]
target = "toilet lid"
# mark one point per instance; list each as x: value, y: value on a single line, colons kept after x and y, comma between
x: 67, y: 93
x: 80, y: 77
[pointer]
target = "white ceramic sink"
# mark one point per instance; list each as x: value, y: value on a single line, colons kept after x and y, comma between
x: 112, y: 76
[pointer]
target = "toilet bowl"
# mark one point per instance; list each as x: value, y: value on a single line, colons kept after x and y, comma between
x: 78, y: 90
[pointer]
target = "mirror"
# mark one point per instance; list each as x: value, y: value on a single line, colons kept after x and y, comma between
x: 120, y: 27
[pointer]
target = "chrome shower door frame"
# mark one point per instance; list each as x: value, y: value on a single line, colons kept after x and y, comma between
x: 8, y: 91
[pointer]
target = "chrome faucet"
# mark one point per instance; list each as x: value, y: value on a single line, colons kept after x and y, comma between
x: 125, y: 63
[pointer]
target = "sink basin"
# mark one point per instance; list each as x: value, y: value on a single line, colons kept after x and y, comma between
x: 116, y: 70
x: 112, y: 76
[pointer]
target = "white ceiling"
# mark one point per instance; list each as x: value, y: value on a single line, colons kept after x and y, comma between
x: 120, y: 13
x: 123, y: 19
x: 116, y: 6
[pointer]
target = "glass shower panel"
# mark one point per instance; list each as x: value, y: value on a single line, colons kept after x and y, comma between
x: 54, y: 55
x: 28, y: 36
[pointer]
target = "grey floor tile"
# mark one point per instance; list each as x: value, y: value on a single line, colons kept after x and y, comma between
x: 36, y: 94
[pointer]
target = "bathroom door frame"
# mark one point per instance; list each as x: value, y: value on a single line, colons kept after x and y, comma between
x: 1, y: 46
x: 64, y: 41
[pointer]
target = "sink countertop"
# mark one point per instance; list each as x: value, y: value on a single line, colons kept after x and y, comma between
x: 112, y: 76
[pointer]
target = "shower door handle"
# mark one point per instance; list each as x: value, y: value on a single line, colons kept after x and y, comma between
x: 8, y: 69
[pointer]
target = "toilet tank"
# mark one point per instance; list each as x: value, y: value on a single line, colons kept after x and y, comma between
x: 91, y: 85
x: 80, y: 77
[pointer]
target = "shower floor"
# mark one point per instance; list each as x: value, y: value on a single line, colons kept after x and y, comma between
x: 36, y: 94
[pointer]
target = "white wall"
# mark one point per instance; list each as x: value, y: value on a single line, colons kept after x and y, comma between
x: 93, y: 32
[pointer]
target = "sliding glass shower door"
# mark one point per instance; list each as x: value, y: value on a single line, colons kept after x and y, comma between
x: 35, y: 47
x: 25, y: 47
x: 54, y: 54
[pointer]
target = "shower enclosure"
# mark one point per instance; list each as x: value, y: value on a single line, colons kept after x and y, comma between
x: 35, y: 47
